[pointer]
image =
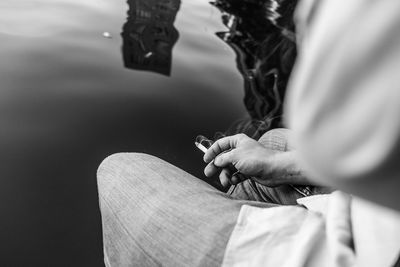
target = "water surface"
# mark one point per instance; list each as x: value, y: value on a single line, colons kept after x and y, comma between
x: 69, y: 97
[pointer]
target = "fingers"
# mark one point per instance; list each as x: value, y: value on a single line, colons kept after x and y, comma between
x: 229, y: 177
x: 238, y: 177
x: 220, y: 156
x: 221, y: 145
x: 225, y: 177
x: 235, y: 180
x: 224, y: 159
x: 221, y: 161
x: 211, y: 169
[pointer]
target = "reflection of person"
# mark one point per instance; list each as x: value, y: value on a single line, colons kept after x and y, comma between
x: 264, y: 55
x: 346, y: 134
x: 149, y: 35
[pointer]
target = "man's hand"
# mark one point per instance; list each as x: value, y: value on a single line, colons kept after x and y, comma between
x: 253, y: 160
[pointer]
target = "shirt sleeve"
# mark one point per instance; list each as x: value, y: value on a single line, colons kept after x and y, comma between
x: 343, y: 102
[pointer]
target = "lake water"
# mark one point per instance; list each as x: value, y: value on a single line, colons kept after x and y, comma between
x: 80, y: 80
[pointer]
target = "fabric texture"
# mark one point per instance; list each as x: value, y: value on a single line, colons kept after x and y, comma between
x: 343, y: 105
x: 343, y: 100
x: 155, y: 214
x: 294, y: 237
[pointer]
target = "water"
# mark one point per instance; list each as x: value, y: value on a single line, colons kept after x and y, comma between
x: 81, y: 80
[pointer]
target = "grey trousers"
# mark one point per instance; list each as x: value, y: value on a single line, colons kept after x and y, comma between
x: 155, y: 214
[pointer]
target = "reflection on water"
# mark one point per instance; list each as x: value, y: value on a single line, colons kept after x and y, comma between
x: 149, y: 35
x: 67, y: 103
x: 261, y: 34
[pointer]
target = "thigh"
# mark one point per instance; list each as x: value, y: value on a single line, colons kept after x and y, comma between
x: 252, y: 191
x: 154, y: 213
x: 277, y: 139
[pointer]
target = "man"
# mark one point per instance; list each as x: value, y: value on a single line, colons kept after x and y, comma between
x: 342, y: 107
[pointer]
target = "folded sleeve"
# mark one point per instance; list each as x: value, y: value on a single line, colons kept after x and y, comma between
x: 343, y: 102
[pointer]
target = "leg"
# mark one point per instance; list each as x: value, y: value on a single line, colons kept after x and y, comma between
x: 156, y: 214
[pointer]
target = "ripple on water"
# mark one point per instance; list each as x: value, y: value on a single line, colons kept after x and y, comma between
x: 67, y: 101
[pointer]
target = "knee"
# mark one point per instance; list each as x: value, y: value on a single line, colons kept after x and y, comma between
x: 276, y: 139
x: 116, y: 169
x: 107, y: 172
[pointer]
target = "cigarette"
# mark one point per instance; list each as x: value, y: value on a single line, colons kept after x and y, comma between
x: 201, y: 147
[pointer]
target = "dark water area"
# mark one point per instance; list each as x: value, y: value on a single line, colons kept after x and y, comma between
x: 262, y: 35
x: 70, y: 96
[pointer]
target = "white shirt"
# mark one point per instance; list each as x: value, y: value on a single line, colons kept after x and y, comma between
x: 343, y: 105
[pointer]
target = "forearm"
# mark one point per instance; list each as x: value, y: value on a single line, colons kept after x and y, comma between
x: 283, y: 168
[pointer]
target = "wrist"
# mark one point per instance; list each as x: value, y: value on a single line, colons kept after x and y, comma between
x: 283, y: 168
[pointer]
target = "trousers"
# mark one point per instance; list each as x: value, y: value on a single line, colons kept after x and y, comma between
x: 155, y: 214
